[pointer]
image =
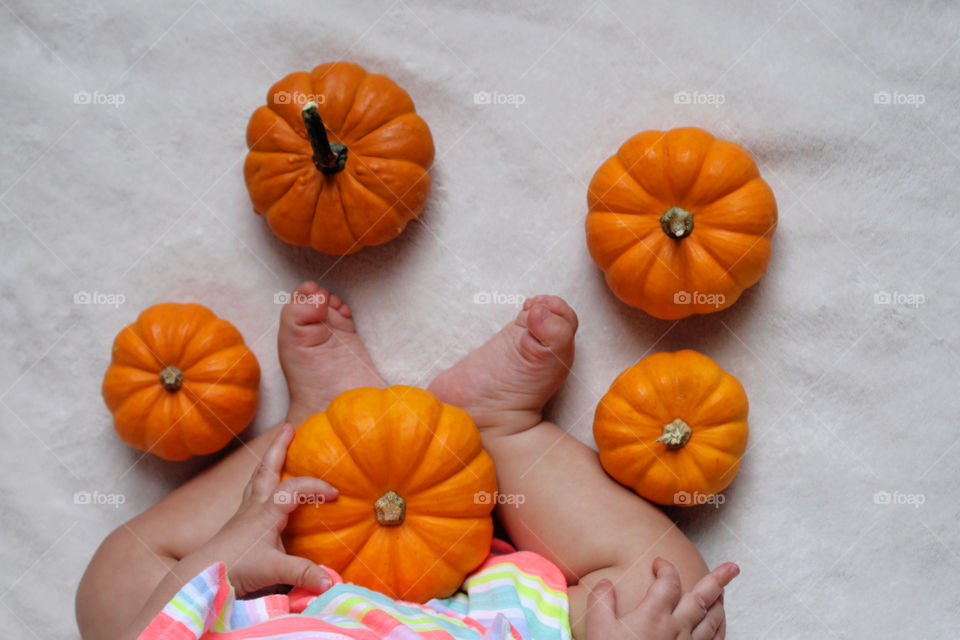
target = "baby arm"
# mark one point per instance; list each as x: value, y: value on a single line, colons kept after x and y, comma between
x: 249, y: 543
x: 591, y: 527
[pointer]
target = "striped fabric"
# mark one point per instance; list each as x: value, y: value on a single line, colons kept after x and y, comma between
x: 512, y: 595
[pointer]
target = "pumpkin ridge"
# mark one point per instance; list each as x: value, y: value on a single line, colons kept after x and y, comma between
x: 399, y: 198
x: 294, y: 183
x: 331, y: 67
x: 291, y: 132
x: 440, y: 558
x: 732, y: 189
x: 647, y: 460
x: 359, y: 139
x: 466, y: 466
x: 727, y: 270
x: 719, y: 388
x: 346, y: 218
x: 205, y: 357
x: 175, y: 431
x: 145, y: 398
x: 148, y: 377
x: 637, y: 240
x: 713, y: 446
x: 349, y: 176
x: 350, y: 446
x: 141, y: 334
x: 651, y: 257
x: 699, y: 171
x: 623, y: 170
x: 199, y: 333
x: 356, y: 553
x: 732, y: 226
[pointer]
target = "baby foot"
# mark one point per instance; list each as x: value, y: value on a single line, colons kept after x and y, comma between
x: 506, y: 382
x: 320, y: 352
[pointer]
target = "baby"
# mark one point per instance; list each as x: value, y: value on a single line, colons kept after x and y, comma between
x: 631, y: 572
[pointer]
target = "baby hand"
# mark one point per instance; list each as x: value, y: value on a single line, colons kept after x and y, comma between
x: 665, y: 613
x: 249, y: 544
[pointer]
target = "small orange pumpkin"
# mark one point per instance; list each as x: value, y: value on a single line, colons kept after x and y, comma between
x: 680, y: 222
x: 181, y: 382
x: 338, y: 159
x: 673, y: 427
x: 416, y: 492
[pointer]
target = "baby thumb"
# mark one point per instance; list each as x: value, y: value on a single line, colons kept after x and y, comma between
x: 300, y: 572
x: 601, y: 610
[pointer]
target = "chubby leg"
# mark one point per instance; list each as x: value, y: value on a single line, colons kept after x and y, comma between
x: 572, y: 513
x: 321, y: 356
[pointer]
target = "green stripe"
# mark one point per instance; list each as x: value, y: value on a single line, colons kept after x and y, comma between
x: 550, y: 610
x: 344, y: 606
x: 189, y: 612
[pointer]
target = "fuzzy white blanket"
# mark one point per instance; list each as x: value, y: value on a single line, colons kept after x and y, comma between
x: 123, y: 139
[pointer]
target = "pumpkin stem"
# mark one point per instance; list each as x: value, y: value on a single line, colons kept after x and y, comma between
x: 390, y: 509
x: 676, y: 434
x: 677, y: 223
x: 171, y: 378
x: 329, y: 157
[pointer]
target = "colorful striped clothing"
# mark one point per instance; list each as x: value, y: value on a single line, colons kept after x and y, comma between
x: 512, y: 595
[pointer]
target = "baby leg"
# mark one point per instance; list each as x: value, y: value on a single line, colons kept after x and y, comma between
x: 321, y: 356
x: 572, y: 512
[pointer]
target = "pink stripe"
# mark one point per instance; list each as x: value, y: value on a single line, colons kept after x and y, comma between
x: 163, y: 627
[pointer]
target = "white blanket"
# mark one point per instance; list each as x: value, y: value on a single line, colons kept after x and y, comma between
x: 121, y: 176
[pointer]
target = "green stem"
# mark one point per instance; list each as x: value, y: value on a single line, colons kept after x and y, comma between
x: 677, y: 223
x: 329, y: 157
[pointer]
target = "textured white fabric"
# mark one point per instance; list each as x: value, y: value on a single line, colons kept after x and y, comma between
x: 139, y: 193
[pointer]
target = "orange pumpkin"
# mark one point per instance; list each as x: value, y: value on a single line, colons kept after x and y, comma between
x: 673, y: 427
x: 181, y: 382
x: 338, y: 159
x: 416, y: 492
x: 680, y: 222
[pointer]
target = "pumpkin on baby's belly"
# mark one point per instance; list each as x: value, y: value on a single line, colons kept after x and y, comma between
x: 413, y: 516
